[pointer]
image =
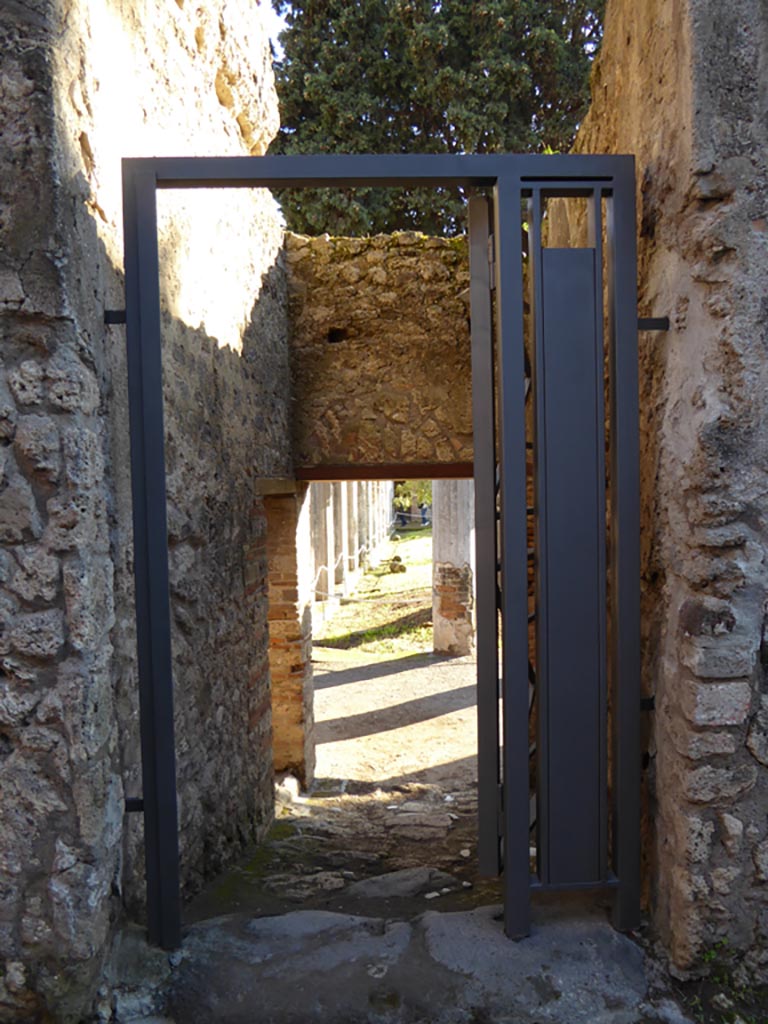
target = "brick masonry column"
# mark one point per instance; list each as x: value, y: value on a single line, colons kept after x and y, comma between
x: 453, y: 518
x: 290, y: 632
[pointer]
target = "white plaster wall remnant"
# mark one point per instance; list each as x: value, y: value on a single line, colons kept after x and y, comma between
x: 682, y: 85
x: 453, y: 566
x: 122, y: 95
x: 81, y: 85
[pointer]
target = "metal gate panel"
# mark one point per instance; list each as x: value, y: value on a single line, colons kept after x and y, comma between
x: 570, y: 610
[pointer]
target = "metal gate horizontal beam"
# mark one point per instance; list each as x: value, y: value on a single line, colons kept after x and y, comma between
x: 393, y: 170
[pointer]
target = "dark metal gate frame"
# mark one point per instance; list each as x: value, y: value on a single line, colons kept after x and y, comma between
x: 513, y: 179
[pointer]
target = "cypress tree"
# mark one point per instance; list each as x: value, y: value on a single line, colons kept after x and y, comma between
x: 425, y: 76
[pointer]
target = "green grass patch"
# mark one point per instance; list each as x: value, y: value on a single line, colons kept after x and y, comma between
x: 390, y: 612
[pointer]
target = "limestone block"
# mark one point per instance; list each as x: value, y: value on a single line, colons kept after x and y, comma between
x: 11, y: 290
x: 757, y: 737
x: 37, y: 575
x: 17, y: 701
x: 731, y: 832
x: 78, y: 895
x: 723, y: 660
x: 695, y: 834
x: 706, y: 618
x: 15, y: 975
x: 26, y: 383
x: 30, y: 787
x: 182, y: 560
x: 21, y: 669
x: 38, y: 634
x: 723, y: 879
x: 697, y: 745
x: 88, y: 593
x: 760, y: 857
x: 708, y: 785
x: 9, y: 606
x: 35, y: 930
x: 8, y: 566
x: 19, y: 517
x: 76, y: 522
x: 37, y: 445
x: 100, y: 803
x: 716, y: 704
x: 83, y: 459
x: 7, y: 412
x: 70, y: 385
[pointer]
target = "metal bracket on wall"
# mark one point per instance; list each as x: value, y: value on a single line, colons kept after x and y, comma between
x: 114, y: 316
x: 653, y: 323
x: 134, y: 805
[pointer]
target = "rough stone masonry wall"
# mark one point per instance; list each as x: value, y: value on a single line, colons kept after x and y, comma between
x: 380, y: 351
x: 81, y: 85
x: 683, y: 84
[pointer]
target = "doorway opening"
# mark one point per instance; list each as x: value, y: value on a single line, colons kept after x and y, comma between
x: 388, y: 823
x: 564, y: 301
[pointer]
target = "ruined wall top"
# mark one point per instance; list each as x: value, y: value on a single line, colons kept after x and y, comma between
x: 380, y: 350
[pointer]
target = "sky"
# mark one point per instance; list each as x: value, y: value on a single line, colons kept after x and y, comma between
x: 275, y: 24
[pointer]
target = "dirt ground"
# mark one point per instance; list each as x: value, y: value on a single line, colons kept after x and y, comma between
x: 402, y: 720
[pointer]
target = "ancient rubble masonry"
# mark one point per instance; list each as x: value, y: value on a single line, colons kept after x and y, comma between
x: 380, y: 351
x: 676, y: 84
x: 82, y: 85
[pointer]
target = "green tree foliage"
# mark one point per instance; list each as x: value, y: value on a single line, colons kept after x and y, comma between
x: 411, y: 494
x: 424, y: 76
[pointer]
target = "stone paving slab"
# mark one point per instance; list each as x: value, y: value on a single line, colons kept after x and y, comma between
x: 440, y: 968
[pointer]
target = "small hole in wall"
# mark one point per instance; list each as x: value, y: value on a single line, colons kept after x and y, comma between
x: 6, y: 746
x: 337, y: 334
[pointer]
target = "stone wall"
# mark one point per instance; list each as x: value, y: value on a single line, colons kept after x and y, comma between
x: 380, y: 350
x: 83, y: 84
x: 682, y: 85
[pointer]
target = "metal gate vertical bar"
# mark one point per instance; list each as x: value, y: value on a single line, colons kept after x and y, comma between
x: 510, y: 343
x: 595, y: 240
x: 150, y: 540
x: 625, y: 545
x: 535, y: 286
x: 484, y: 444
